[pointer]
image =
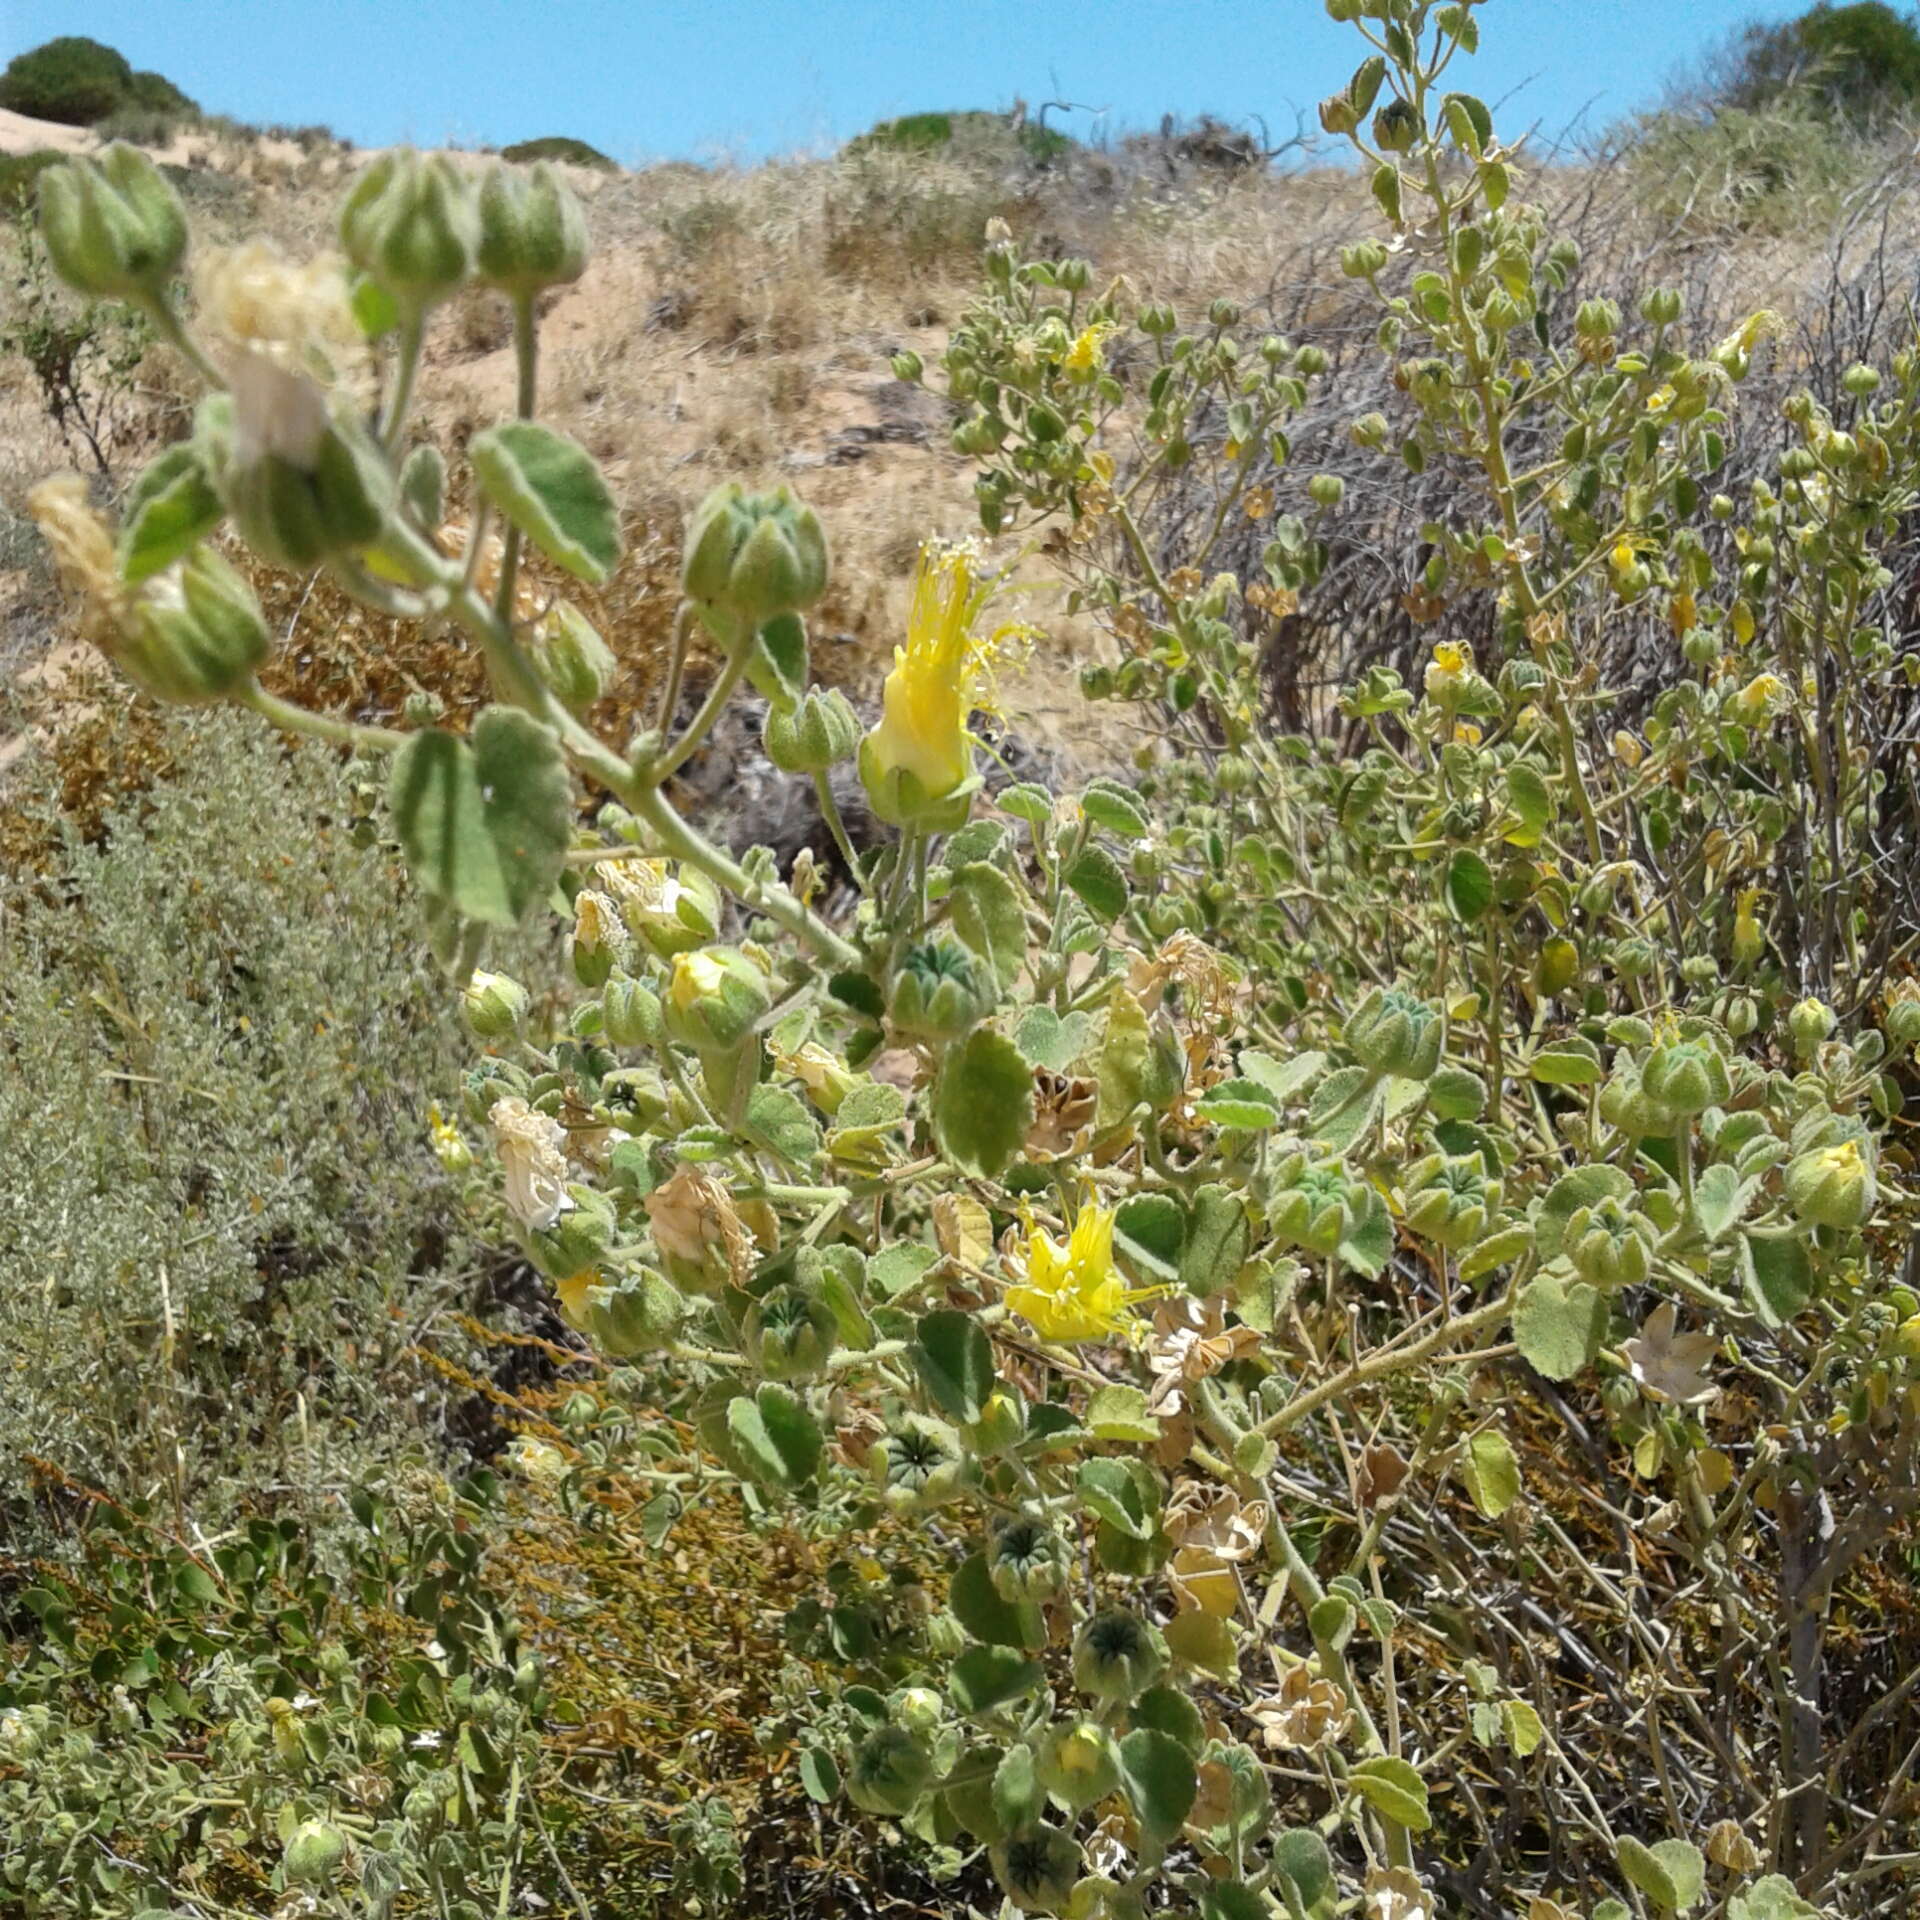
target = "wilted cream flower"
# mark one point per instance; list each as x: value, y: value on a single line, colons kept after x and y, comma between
x: 596, y: 923
x: 83, y: 552
x: 1308, y: 1713
x: 1729, y: 1847
x: 277, y: 413
x: 544, y: 1465
x: 1190, y: 1340
x: 297, y: 314
x: 1064, y: 1108
x: 1392, y: 1893
x: 693, y: 1216
x: 1206, y: 1514
x: 1669, y: 1366
x: 533, y: 1161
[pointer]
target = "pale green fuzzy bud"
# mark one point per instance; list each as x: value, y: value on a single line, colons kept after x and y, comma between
x: 300, y: 484
x: 1832, y: 1186
x: 1078, y: 1764
x: 572, y: 658
x: 1117, y: 1656
x: 533, y: 233
x: 580, y: 1238
x: 1687, y: 1076
x: 941, y: 990
x: 410, y: 222
x: 315, y: 1852
x: 1318, y: 1208
x: 751, y: 557
x: 630, y: 1013
x: 918, y: 1464
x: 789, y: 1333
x: 908, y: 366
x: 642, y: 1314
x: 1610, y: 1245
x: 114, y: 228
x: 1454, y: 1202
x: 1392, y: 1032
x: 921, y: 1711
x: 889, y: 1772
x: 1037, y: 1869
x: 714, y: 999
x: 1810, y: 1023
x: 495, y: 1004
x: 1002, y: 1424
x: 1026, y: 1559
x: 195, y: 634
x: 632, y: 1099
x: 816, y: 735
x: 1903, y: 1021
x: 1396, y: 127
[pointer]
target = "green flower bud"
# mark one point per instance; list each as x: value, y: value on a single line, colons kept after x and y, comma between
x: 301, y: 485
x: 314, y: 1853
x: 1810, y: 1023
x: 908, y: 366
x: 920, y: 1710
x: 940, y: 991
x: 195, y: 634
x: 1026, y: 1559
x: 1903, y: 1021
x: 1157, y: 320
x: 1317, y: 1208
x: 790, y: 1332
x: 714, y: 999
x: 1392, y: 1032
x: 1326, y: 490
x: 889, y: 1772
x: 820, y: 732
x: 1832, y: 1186
x: 1037, y: 1869
x: 571, y: 657
x: 1610, y: 1244
x: 1453, y: 1201
x: 1338, y: 115
x: 642, y: 1314
x: 1078, y: 1764
x: 580, y: 1238
x: 918, y: 1465
x: 495, y: 1004
x: 632, y: 1098
x: 1117, y: 1656
x: 1002, y: 1424
x: 1396, y: 127
x: 1663, y: 306
x: 1687, y: 1076
x: 1596, y: 320
x: 114, y: 228
x: 1625, y: 1103
x: 410, y: 223
x: 751, y: 557
x: 631, y: 1015
x: 533, y: 234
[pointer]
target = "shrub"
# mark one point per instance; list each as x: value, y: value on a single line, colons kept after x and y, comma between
x: 218, y: 1060
x: 73, y: 80
x: 972, y: 134
x: 1857, y: 62
x: 562, y: 147
x: 20, y: 178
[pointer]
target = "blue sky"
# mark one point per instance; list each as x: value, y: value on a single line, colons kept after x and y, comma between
x: 699, y: 78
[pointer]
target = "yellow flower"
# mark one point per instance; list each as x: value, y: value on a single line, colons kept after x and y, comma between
x: 1075, y: 1292
x: 1450, y: 657
x: 449, y: 1146
x: 573, y: 1293
x: 695, y: 975
x: 920, y: 752
x: 1087, y: 354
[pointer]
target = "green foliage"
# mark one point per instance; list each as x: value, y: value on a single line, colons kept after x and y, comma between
x: 81, y: 83
x: 20, y: 174
x: 1856, y: 62
x: 969, y: 133
x: 173, y: 1715
x: 219, y: 1052
x: 562, y: 147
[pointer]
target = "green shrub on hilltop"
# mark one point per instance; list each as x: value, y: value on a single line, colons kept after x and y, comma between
x: 562, y: 147
x: 79, y: 83
x: 1858, y: 62
x: 971, y: 132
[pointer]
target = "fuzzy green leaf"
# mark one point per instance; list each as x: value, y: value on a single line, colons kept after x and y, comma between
x: 486, y: 824
x: 983, y: 1102
x: 549, y: 487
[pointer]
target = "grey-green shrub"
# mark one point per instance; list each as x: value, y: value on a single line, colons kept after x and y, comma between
x: 217, y: 1056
